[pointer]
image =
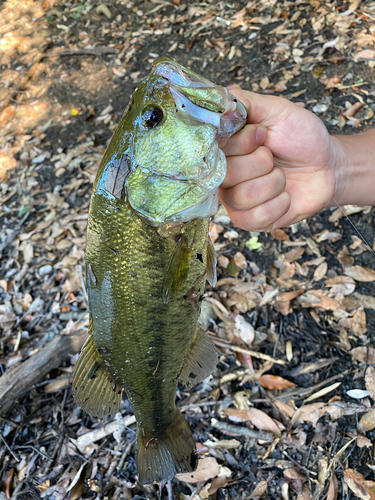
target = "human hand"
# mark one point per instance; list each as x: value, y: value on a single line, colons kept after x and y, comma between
x: 285, y: 175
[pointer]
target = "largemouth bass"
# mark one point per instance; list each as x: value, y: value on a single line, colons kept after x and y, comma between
x: 148, y: 256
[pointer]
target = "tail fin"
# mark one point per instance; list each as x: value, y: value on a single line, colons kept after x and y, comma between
x: 161, y: 457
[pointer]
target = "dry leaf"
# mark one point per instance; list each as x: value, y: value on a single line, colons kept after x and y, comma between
x: 328, y: 236
x: 370, y: 381
x: 364, y: 55
x: 363, y: 442
x: 244, y: 330
x: 224, y: 444
x: 364, y: 355
x: 240, y: 260
x: 264, y: 83
x: 258, y: 418
x: 309, y: 413
x: 320, y: 271
x: 367, y: 422
x: 58, y: 384
x: 280, y: 235
x: 260, y: 490
x: 208, y: 468
x: 358, y: 325
x: 323, y: 392
x: 274, y: 382
x: 359, y: 485
x: 285, y: 408
x: 341, y: 284
x: 333, y: 488
x: 293, y: 254
x: 219, y: 482
x: 360, y: 273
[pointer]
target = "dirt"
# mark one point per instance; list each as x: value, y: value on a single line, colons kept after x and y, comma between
x: 54, y: 134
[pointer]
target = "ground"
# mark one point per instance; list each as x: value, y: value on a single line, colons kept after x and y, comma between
x: 289, y: 412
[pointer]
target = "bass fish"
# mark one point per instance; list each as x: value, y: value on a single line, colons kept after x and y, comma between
x: 148, y: 256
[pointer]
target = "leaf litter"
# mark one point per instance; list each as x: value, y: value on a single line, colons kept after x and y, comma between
x: 292, y: 313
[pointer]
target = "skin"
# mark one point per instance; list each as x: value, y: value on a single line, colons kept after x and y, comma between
x: 284, y: 166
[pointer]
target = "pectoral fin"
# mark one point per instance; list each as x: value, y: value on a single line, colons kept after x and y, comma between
x: 93, y: 388
x: 200, y: 361
x: 178, y: 269
x: 211, y: 263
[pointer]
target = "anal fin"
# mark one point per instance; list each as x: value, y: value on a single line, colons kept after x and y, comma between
x: 200, y: 361
x: 93, y: 389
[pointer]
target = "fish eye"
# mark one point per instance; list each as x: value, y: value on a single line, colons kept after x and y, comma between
x: 153, y: 116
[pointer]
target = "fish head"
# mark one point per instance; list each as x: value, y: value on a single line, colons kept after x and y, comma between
x: 176, y: 165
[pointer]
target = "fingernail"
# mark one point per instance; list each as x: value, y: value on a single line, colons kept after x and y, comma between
x: 261, y: 135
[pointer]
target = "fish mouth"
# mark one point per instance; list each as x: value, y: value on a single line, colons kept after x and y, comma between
x: 201, y: 101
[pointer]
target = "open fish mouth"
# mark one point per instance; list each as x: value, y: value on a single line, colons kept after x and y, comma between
x: 199, y: 100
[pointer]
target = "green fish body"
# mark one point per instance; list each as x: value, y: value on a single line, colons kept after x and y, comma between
x: 148, y: 256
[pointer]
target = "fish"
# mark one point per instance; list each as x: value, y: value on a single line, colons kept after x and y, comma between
x: 148, y: 256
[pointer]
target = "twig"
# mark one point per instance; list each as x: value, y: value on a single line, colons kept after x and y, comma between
x: 243, y: 431
x: 299, y: 465
x: 255, y: 354
x: 302, y: 393
x: 8, y: 447
x: 21, y: 377
x: 93, y: 51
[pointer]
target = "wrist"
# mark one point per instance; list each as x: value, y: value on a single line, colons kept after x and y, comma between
x: 354, y: 169
x: 339, y: 164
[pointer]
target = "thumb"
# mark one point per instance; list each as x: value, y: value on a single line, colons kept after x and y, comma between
x: 263, y: 109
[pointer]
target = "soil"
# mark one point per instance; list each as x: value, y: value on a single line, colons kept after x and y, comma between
x: 58, y: 113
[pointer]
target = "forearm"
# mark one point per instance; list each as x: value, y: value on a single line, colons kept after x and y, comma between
x: 355, y: 169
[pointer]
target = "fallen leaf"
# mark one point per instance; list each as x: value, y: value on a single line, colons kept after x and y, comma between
x: 367, y: 422
x: 359, y: 273
x: 260, y: 490
x: 358, y: 393
x: 328, y: 236
x: 103, y: 9
x: 294, y: 254
x: 341, y: 284
x: 258, y: 418
x: 358, y: 325
x: 333, y: 489
x: 364, y: 355
x: 224, y: 444
x: 264, y: 83
x: 218, y: 482
x: 285, y: 408
x: 323, y: 392
x: 364, y: 55
x: 244, y: 330
x: 359, y: 485
x: 253, y: 243
x: 240, y: 260
x: 320, y: 271
x: 274, y: 382
x: 208, y: 468
x: 370, y: 381
x: 280, y: 235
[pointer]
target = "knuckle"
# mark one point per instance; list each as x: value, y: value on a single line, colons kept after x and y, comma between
x: 261, y: 217
x: 266, y: 157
